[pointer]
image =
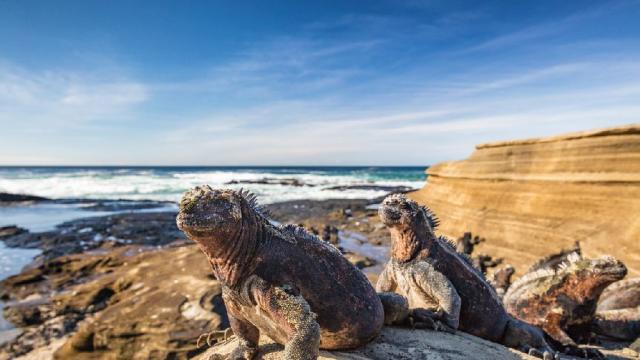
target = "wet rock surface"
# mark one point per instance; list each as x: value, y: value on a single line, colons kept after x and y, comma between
x: 153, y: 228
x: 11, y: 230
x: 271, y: 181
x: 389, y: 189
x: 7, y: 198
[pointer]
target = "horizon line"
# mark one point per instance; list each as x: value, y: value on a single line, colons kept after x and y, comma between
x: 204, y: 166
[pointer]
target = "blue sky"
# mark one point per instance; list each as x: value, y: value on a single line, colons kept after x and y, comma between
x: 300, y: 83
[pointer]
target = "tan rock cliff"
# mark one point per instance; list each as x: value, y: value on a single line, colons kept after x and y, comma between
x: 529, y: 198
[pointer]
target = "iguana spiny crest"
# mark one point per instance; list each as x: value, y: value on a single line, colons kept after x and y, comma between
x: 563, y: 301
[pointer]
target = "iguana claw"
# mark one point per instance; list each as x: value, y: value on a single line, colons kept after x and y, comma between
x: 428, y: 320
x: 216, y: 335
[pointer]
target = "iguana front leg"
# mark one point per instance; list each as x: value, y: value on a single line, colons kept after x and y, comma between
x: 396, y: 307
x: 553, y: 327
x: 291, y: 312
x: 527, y: 338
x: 435, y: 285
x: 248, y: 335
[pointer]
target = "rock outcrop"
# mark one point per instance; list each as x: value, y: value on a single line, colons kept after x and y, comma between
x: 131, y: 302
x: 530, y: 198
x: 393, y: 343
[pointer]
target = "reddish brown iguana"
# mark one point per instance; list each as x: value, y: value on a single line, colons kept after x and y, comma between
x: 432, y: 275
x: 563, y: 301
x: 281, y: 281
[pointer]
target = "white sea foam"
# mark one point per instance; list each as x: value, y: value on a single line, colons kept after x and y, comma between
x: 170, y: 184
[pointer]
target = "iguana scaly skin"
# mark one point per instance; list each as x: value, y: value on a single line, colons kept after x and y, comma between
x: 618, y: 311
x: 280, y: 281
x: 432, y: 275
x: 563, y: 301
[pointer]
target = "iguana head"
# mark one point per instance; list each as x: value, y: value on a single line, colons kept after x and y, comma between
x: 398, y: 210
x: 223, y: 222
x: 409, y: 223
x: 207, y: 213
x: 594, y: 273
x: 577, y: 278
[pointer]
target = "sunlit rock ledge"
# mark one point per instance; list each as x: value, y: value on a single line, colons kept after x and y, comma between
x: 532, y: 197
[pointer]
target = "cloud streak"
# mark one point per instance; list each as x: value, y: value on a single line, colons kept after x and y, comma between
x: 381, y: 90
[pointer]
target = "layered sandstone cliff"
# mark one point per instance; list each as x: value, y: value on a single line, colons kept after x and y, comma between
x: 529, y: 198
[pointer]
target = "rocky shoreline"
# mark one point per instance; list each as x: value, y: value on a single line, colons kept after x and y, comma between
x: 129, y: 283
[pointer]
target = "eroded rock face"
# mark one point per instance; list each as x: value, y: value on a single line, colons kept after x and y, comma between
x: 130, y: 302
x: 535, y: 197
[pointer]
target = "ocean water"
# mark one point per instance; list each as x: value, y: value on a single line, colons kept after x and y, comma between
x: 168, y: 183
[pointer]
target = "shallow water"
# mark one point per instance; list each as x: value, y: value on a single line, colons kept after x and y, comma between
x: 43, y: 216
x: 358, y: 243
x: 40, y: 217
x: 11, y: 262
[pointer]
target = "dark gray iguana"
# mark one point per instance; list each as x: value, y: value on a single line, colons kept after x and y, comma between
x: 432, y: 275
x: 618, y: 311
x: 281, y: 281
x: 563, y: 301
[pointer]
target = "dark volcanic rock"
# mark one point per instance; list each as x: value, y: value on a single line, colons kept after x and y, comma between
x: 11, y: 230
x: 13, y: 198
x: 389, y: 189
x: 125, y: 205
x: 153, y: 228
x: 270, y: 181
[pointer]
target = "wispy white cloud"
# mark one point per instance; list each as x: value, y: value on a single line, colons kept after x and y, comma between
x: 66, y: 97
x: 311, y: 99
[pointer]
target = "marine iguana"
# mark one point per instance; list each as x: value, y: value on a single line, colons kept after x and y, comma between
x: 466, y: 243
x: 563, y: 301
x: 618, y: 311
x: 281, y: 281
x: 501, y: 279
x: 429, y: 272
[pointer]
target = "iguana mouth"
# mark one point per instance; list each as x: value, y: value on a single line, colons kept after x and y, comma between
x: 193, y: 222
x: 616, y: 272
x: 609, y: 267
